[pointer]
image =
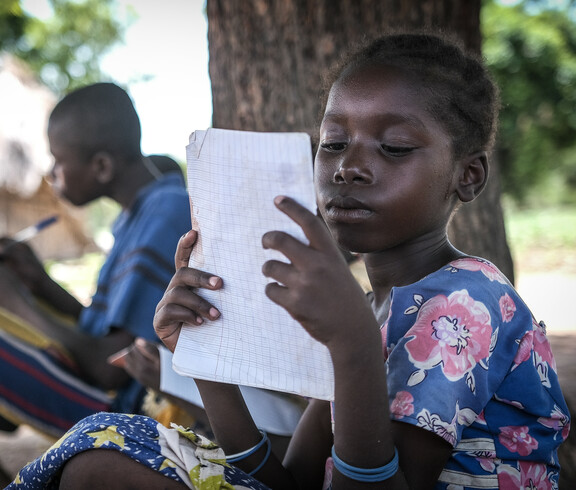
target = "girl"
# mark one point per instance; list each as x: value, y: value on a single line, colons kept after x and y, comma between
x: 443, y: 379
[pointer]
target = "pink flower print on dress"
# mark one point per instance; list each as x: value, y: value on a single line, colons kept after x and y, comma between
x: 517, y: 440
x: 536, y: 343
x: 558, y: 421
x: 542, y: 346
x: 402, y: 404
x: 524, y: 351
x: 474, y: 264
x: 507, y: 308
x: 531, y: 476
x: 486, y: 459
x: 453, y: 332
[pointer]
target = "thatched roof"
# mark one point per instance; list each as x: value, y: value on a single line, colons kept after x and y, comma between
x: 25, y: 196
x: 24, y: 108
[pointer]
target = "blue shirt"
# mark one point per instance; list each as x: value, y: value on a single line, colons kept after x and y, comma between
x: 139, y: 267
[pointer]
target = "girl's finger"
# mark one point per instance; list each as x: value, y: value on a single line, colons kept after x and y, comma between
x: 195, y: 278
x: 279, y: 271
x: 294, y: 250
x: 184, y: 249
x: 196, y: 307
x: 278, y: 294
x: 316, y: 232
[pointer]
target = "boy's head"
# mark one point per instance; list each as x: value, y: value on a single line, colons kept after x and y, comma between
x: 93, y: 132
x: 460, y: 91
x: 99, y: 117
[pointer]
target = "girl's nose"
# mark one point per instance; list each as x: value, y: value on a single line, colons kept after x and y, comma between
x: 353, y: 169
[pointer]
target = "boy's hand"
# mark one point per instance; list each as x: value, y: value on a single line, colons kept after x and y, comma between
x: 316, y: 287
x: 141, y: 360
x: 23, y: 262
x: 180, y: 304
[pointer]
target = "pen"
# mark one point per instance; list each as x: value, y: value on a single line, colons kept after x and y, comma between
x: 32, y: 231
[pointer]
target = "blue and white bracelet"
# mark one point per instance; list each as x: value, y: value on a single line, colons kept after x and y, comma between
x: 234, y: 458
x: 366, y: 474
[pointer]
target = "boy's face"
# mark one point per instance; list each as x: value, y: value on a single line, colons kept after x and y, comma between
x: 384, y: 169
x: 72, y: 176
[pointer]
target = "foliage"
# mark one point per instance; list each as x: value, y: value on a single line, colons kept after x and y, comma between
x: 12, y: 23
x: 531, y: 50
x: 551, y: 228
x: 65, y: 49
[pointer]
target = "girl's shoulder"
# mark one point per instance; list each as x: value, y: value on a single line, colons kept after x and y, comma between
x: 481, y: 266
x: 469, y: 282
x: 466, y: 272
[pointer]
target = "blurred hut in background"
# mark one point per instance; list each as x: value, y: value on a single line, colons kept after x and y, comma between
x: 25, y: 195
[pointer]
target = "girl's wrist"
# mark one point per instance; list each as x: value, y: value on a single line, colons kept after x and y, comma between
x: 356, y: 346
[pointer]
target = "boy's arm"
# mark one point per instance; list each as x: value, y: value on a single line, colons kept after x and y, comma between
x: 24, y: 264
x: 90, y: 353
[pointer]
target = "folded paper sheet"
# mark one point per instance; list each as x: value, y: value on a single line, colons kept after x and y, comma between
x: 233, y: 177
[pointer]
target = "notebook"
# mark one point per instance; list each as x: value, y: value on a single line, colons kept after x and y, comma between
x: 233, y: 177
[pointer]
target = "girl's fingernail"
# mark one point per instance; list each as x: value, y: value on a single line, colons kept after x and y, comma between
x: 213, y: 281
x: 214, y: 313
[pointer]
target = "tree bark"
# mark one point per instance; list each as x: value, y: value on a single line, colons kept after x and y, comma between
x: 268, y: 58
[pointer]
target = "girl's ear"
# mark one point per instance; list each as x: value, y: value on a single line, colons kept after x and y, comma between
x: 473, y: 171
x: 104, y: 167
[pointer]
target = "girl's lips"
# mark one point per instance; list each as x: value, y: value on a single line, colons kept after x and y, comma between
x: 347, y: 209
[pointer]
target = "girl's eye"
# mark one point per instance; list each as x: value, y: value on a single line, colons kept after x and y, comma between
x: 334, y: 147
x: 397, y: 151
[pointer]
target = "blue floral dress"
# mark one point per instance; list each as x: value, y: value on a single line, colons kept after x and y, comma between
x: 176, y: 453
x: 467, y: 361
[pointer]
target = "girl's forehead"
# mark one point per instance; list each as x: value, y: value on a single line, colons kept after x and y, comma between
x: 378, y: 76
x: 378, y: 88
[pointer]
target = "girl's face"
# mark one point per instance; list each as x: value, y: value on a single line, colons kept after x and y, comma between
x: 384, y: 170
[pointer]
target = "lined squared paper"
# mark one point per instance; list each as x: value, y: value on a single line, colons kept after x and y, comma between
x: 233, y: 177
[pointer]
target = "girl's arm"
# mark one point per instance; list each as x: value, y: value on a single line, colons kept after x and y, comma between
x: 318, y: 290
x: 229, y: 417
x: 310, y: 445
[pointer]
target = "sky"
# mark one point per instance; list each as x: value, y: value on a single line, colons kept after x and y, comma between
x: 168, y: 41
x: 164, y: 64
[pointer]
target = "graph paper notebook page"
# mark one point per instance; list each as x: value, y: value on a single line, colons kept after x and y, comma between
x: 233, y: 177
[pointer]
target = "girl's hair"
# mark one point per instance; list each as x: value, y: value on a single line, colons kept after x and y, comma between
x: 103, y: 118
x: 460, y: 92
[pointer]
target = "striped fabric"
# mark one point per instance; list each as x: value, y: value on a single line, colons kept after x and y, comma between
x: 42, y: 389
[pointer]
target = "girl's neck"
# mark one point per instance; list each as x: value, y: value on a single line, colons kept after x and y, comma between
x: 405, y: 265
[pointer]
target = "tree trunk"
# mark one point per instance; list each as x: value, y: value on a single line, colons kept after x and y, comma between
x: 268, y: 57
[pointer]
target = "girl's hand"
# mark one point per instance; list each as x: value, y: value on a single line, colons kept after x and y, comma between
x: 317, y: 287
x: 180, y: 304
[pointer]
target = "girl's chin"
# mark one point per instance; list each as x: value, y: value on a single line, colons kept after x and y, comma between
x: 351, y: 244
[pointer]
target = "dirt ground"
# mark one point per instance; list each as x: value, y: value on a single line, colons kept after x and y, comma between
x: 550, y: 296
